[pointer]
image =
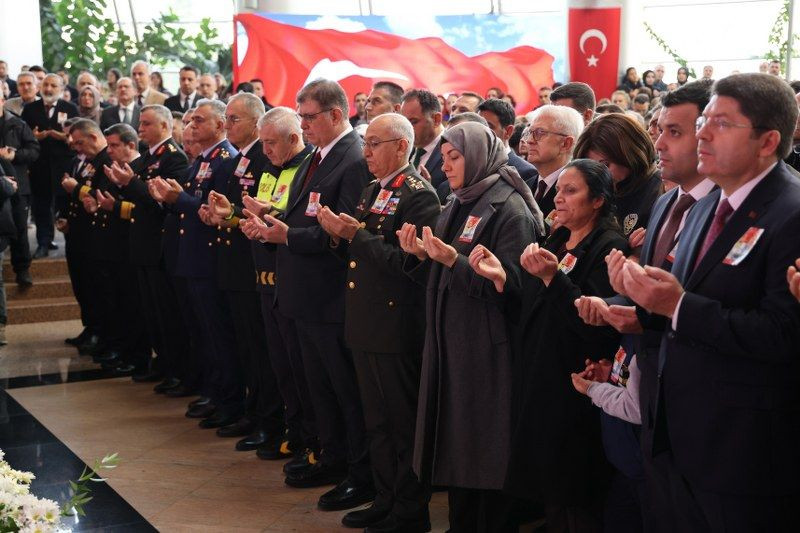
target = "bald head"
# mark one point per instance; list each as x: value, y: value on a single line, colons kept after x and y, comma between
x: 388, y: 143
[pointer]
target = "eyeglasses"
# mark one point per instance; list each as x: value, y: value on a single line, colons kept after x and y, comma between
x: 539, y: 133
x: 372, y: 145
x: 309, y: 117
x: 720, y: 124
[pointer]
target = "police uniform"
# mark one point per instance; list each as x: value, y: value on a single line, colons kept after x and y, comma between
x: 165, y: 327
x: 196, y: 262
x: 284, y: 351
x: 385, y: 328
x: 263, y: 404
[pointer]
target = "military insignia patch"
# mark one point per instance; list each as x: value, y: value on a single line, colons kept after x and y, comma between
x: 629, y: 223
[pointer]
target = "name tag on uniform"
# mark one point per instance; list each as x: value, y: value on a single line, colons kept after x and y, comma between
x: 380, y: 202
x: 313, y: 204
x: 568, y: 263
x: 204, y: 172
x: 247, y: 180
x: 743, y: 246
x: 391, y: 206
x: 619, y: 371
x: 241, y: 167
x: 265, y: 186
x: 469, y: 228
x: 62, y: 117
x: 279, y: 192
x: 671, y: 255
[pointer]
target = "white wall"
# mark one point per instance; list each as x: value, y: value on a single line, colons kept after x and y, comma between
x: 20, y: 34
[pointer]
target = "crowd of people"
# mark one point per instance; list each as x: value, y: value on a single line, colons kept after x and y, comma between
x: 585, y: 317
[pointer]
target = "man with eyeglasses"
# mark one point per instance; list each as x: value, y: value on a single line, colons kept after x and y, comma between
x: 385, y: 319
x: 311, y: 292
x: 727, y: 412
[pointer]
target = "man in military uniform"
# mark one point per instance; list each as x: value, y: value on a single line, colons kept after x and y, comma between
x: 282, y: 141
x: 196, y: 261
x: 385, y: 319
x: 263, y: 409
x: 146, y: 217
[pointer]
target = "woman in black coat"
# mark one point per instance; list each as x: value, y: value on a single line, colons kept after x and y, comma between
x: 557, y: 456
x: 621, y: 144
x: 464, y: 412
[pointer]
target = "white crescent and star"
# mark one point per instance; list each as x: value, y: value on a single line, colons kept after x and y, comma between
x: 600, y: 36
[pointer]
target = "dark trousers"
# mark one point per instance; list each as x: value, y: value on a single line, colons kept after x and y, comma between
x: 389, y: 385
x: 334, y: 393
x: 192, y: 366
x: 222, y: 372
x: 679, y: 506
x: 123, y: 328
x: 83, y: 274
x: 263, y: 403
x: 627, y: 508
x: 480, y: 511
x: 20, y: 247
x: 287, y: 365
x: 42, y: 208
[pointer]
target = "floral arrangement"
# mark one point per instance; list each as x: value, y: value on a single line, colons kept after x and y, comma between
x: 21, y: 511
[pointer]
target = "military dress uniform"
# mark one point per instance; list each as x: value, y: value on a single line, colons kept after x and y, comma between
x: 196, y: 262
x: 284, y: 350
x: 263, y: 405
x: 385, y: 329
x: 165, y: 327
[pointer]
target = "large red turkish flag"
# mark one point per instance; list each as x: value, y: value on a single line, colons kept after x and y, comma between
x: 594, y: 35
x: 286, y: 57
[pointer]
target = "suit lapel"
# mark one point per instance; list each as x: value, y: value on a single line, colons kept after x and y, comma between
x: 328, y: 163
x: 692, y: 236
x: 656, y: 222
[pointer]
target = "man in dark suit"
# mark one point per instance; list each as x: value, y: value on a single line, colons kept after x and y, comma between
x: 126, y: 111
x: 500, y: 116
x: 726, y: 422
x: 551, y: 138
x: 384, y: 319
x: 334, y: 177
x: 422, y: 108
x: 577, y: 95
x: 46, y: 117
x: 187, y: 96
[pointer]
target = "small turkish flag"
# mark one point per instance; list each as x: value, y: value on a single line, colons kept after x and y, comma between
x: 594, y: 35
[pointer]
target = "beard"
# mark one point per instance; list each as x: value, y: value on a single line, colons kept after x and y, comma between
x: 50, y: 99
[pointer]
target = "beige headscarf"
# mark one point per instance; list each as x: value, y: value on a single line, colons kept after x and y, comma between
x: 485, y: 162
x: 92, y: 113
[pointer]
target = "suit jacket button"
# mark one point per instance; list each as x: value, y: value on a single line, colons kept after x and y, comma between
x: 183, y: 215
x: 229, y: 230
x: 351, y: 285
x: 228, y: 242
x: 391, y: 304
x: 219, y: 240
x: 211, y: 244
x: 671, y: 335
x: 352, y: 264
x: 181, y: 232
x: 133, y: 220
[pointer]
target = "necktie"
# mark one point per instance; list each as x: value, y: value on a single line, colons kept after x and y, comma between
x: 186, y: 104
x: 540, y: 188
x: 419, y: 152
x: 312, y: 168
x: 724, y: 211
x: 667, y: 240
x: 127, y: 115
x: 140, y: 100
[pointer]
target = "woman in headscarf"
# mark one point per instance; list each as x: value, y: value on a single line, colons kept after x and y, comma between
x: 463, y: 419
x: 557, y: 457
x: 89, y: 103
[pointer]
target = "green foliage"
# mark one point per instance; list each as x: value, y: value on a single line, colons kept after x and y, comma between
x: 76, y: 36
x: 668, y: 49
x: 80, y: 489
x: 779, y: 44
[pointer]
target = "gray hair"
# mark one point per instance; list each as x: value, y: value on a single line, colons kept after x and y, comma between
x: 252, y: 104
x: 140, y: 62
x: 565, y: 119
x: 398, y: 127
x: 217, y: 107
x: 284, y: 119
x: 467, y: 116
x: 31, y: 75
x: 87, y: 73
x: 163, y: 114
x: 327, y: 93
x: 55, y: 77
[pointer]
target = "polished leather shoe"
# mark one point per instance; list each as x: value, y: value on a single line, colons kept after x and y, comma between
x: 365, y: 517
x: 52, y: 246
x: 125, y: 369
x: 148, y: 376
x: 253, y: 441
x: 201, y: 411
x: 218, y: 420
x: 80, y: 339
x: 301, y: 461
x: 110, y: 361
x: 393, y: 524
x: 272, y: 451
x: 181, y: 391
x: 318, y: 475
x: 202, y: 400
x: 24, y: 279
x: 241, y: 428
x: 41, y: 251
x: 167, y: 384
x: 91, y: 346
x: 346, y: 495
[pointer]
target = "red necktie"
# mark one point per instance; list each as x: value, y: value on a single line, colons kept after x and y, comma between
x: 540, y: 188
x: 312, y: 168
x: 724, y: 211
x: 667, y: 241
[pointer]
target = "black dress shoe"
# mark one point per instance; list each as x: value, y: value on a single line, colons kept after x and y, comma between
x: 52, y: 246
x: 272, y: 451
x: 110, y: 361
x: 125, y: 369
x: 302, y: 460
x: 241, y: 428
x: 147, y: 376
x: 80, y: 339
x: 253, y: 441
x: 167, y: 384
x: 41, y: 252
x: 91, y: 346
x: 24, y: 279
x: 318, y: 475
x: 202, y: 400
x: 201, y: 411
x: 181, y: 391
x: 393, y: 524
x: 346, y: 495
x: 218, y: 420
x: 365, y: 517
